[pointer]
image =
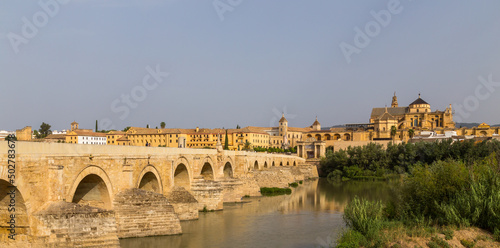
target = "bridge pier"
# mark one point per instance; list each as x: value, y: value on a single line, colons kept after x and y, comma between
x: 208, y: 193
x: 184, y: 203
x: 141, y: 213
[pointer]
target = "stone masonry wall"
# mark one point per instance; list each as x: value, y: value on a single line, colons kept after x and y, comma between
x: 141, y: 213
x: 65, y: 224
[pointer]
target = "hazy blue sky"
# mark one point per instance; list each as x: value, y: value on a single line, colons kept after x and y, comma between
x: 245, y: 65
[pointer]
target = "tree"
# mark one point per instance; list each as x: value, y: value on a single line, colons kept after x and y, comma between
x: 162, y: 125
x: 411, y: 132
x: 247, y: 146
x: 238, y: 127
x: 147, y: 126
x: 394, y: 131
x: 96, y: 129
x: 226, y: 142
x: 126, y: 129
x: 37, y: 135
x: 44, y: 130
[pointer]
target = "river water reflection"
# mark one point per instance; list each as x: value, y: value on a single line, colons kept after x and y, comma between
x: 310, y: 217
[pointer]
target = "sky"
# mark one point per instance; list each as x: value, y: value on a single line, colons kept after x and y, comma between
x: 223, y: 63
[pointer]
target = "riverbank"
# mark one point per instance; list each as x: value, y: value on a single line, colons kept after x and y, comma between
x: 397, y: 235
x: 443, y: 198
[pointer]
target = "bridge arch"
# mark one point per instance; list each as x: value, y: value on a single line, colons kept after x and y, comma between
x: 265, y: 164
x: 207, y: 171
x: 256, y: 165
x: 287, y: 163
x: 150, y: 180
x: 281, y: 163
x: 92, y: 187
x: 273, y: 164
x: 294, y: 163
x: 22, y: 225
x: 228, y: 170
x: 181, y: 176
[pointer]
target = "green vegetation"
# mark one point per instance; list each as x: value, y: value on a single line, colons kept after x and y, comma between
x: 448, y: 234
x: 44, y: 130
x: 373, y: 162
x: 293, y: 185
x: 162, y: 125
x: 275, y: 150
x: 467, y: 243
x: 226, y: 142
x: 300, y: 182
x: 436, y: 197
x: 275, y: 191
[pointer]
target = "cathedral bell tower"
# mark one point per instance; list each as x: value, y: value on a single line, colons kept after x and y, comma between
x: 394, y: 103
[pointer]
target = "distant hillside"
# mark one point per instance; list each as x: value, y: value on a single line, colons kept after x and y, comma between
x: 466, y: 124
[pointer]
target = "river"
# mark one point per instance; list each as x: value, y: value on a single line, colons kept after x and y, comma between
x: 310, y: 217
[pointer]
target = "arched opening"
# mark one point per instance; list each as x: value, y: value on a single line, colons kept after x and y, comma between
x: 287, y: 163
x: 273, y: 164
x: 347, y: 137
x: 92, y: 191
x: 318, y: 136
x: 10, y: 194
x: 483, y: 133
x: 181, y: 177
x: 228, y: 170
x: 149, y: 182
x: 281, y: 163
x: 336, y: 136
x: 309, y: 136
x: 256, y: 165
x: 265, y: 164
x: 206, y: 172
x: 294, y: 163
x: 328, y: 137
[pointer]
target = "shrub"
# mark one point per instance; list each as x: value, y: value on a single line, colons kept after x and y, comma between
x: 275, y: 191
x: 440, y: 242
x: 448, y: 234
x: 300, y: 182
x: 294, y: 185
x: 467, y: 243
x: 351, y: 239
x: 496, y: 235
x: 364, y: 216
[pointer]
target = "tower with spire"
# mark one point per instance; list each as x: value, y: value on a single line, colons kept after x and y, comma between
x: 316, y: 126
x: 283, y: 129
x: 394, y: 103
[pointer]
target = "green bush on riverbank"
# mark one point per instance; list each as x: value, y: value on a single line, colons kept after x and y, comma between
x: 275, y: 191
x: 442, y: 194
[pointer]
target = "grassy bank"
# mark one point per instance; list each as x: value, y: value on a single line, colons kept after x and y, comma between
x: 444, y: 203
x: 275, y: 191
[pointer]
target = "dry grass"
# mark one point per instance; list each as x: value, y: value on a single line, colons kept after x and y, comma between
x: 420, y: 238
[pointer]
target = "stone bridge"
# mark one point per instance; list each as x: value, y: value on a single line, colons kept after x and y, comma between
x: 88, y: 195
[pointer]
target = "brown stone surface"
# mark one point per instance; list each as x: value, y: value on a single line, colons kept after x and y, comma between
x: 141, y: 213
x: 184, y: 203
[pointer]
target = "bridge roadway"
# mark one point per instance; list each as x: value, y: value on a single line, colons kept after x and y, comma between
x: 53, y: 179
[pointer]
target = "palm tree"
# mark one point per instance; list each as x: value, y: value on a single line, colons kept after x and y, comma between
x: 411, y: 132
x: 247, y: 146
x: 162, y: 125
